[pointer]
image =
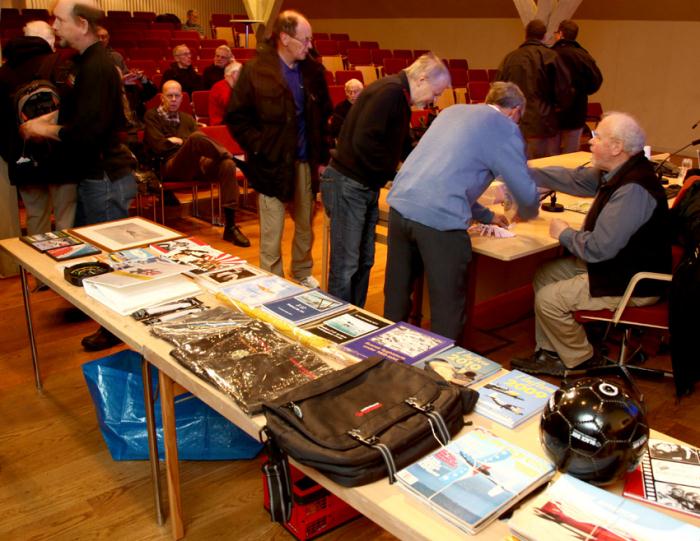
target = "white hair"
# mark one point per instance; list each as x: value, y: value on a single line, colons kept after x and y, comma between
x: 626, y: 129
x: 232, y: 67
x: 353, y: 83
x: 430, y: 66
x: 40, y: 29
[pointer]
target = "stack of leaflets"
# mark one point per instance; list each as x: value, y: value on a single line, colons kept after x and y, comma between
x: 305, y: 306
x: 401, y: 342
x: 347, y: 326
x: 668, y: 476
x: 513, y: 398
x: 219, y: 279
x: 139, y: 284
x: 60, y: 245
x: 262, y: 289
x: 475, y: 478
x: 200, y: 257
x: 574, y: 510
x: 460, y: 366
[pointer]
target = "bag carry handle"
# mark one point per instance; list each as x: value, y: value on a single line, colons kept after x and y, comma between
x: 374, y: 443
x: 435, y: 420
x: 276, y: 471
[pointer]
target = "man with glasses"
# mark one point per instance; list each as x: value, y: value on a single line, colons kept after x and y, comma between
x: 215, y: 72
x: 434, y: 199
x: 373, y: 140
x: 182, y: 71
x: 625, y: 232
x: 279, y: 113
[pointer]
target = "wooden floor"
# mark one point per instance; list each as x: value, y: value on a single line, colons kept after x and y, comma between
x: 57, y: 480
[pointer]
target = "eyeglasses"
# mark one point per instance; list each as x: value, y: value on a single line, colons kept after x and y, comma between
x: 306, y: 42
x: 184, y: 54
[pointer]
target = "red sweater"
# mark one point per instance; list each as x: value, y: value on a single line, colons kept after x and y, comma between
x: 218, y: 102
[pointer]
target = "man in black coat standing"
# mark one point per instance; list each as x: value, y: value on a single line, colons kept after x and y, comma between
x: 586, y: 80
x: 279, y: 113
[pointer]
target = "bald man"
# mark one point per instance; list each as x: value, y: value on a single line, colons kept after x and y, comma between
x: 88, y: 124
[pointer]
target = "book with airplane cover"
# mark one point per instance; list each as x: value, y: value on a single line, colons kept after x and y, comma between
x: 219, y: 279
x: 460, y: 366
x: 140, y: 284
x: 669, y: 476
x: 475, y: 478
x: 341, y: 328
x: 305, y: 306
x: 262, y: 289
x: 200, y: 256
x: 513, y: 398
x: 401, y: 342
x: 63, y: 253
x: 573, y: 510
x: 50, y: 240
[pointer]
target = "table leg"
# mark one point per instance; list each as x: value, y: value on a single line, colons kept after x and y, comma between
x: 30, y: 327
x: 152, y: 437
x: 325, y: 251
x: 167, y: 407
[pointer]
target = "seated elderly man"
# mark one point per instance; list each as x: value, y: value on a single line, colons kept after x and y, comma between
x: 182, y: 70
x: 187, y: 153
x: 353, y: 88
x: 220, y: 93
x: 215, y: 72
x: 625, y: 232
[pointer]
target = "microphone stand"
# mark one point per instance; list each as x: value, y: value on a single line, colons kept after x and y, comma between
x: 658, y: 171
x: 552, y: 206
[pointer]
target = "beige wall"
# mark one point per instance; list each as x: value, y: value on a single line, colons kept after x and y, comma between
x: 651, y: 68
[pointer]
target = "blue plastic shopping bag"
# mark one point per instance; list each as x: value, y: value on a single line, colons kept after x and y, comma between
x: 116, y: 387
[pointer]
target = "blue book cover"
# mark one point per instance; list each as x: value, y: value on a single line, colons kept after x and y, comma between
x: 513, y: 398
x: 257, y: 291
x: 401, y: 342
x: 305, y: 306
x: 347, y: 326
x: 460, y: 366
x: 572, y: 510
x: 475, y: 478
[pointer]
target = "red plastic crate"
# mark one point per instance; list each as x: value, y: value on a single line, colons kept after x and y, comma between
x: 315, y: 511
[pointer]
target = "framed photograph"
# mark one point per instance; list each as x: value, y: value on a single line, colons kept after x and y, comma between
x: 125, y: 234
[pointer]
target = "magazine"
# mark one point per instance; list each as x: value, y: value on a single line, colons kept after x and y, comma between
x: 668, y: 476
x: 219, y: 279
x: 262, y: 289
x: 401, y: 342
x: 344, y: 327
x: 513, y: 398
x: 64, y: 253
x: 460, y: 366
x: 475, y: 478
x: 574, y: 510
x: 198, y: 255
x: 305, y: 306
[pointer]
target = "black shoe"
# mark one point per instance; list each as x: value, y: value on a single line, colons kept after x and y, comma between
x: 540, y: 362
x: 169, y: 199
x: 99, y: 340
x: 595, y: 361
x: 236, y: 236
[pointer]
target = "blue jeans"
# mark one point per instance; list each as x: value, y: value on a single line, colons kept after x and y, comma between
x: 103, y: 200
x: 353, y: 209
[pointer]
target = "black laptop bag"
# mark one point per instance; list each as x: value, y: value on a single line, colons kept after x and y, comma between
x: 358, y: 425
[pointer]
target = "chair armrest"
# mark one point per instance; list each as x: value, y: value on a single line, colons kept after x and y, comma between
x: 633, y: 284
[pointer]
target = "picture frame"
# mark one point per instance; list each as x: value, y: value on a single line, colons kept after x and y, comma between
x: 125, y: 233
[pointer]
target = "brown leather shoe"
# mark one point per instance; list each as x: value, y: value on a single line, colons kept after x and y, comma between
x: 99, y: 340
x: 236, y: 236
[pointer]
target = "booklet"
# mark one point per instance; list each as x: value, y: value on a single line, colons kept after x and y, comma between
x: 574, y: 510
x: 401, y: 342
x: 475, y: 478
x: 140, y: 284
x: 513, y: 398
x: 64, y: 253
x: 219, y: 279
x: 344, y: 327
x: 262, y: 289
x: 305, y: 306
x: 199, y: 256
x: 50, y: 240
x: 668, y: 476
x: 460, y: 366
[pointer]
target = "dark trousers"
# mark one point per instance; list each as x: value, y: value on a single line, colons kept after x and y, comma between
x: 443, y: 256
x: 185, y: 166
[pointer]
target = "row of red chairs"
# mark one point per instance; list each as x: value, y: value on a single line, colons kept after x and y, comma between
x: 165, y: 53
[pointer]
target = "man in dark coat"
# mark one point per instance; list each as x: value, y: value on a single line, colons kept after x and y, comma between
x: 182, y: 71
x: 215, y: 72
x: 586, y: 80
x: 279, y: 114
x: 544, y: 79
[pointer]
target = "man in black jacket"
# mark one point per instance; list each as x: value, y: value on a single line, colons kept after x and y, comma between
x: 544, y: 79
x: 279, y: 113
x: 373, y: 140
x: 586, y: 80
x: 182, y: 70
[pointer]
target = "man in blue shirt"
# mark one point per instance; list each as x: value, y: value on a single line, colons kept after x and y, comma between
x: 434, y: 198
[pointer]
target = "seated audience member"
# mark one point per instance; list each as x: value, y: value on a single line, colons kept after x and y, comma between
x: 215, y: 73
x: 625, y: 232
x: 220, y: 93
x: 353, y: 88
x: 187, y: 154
x: 103, y: 36
x: 182, y: 70
x: 434, y: 198
x: 192, y: 22
x: 41, y: 188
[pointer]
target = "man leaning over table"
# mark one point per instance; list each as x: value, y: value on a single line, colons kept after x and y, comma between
x: 625, y: 232
x: 434, y: 197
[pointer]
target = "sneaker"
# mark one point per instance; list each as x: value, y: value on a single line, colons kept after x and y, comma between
x: 309, y: 282
x: 540, y: 362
